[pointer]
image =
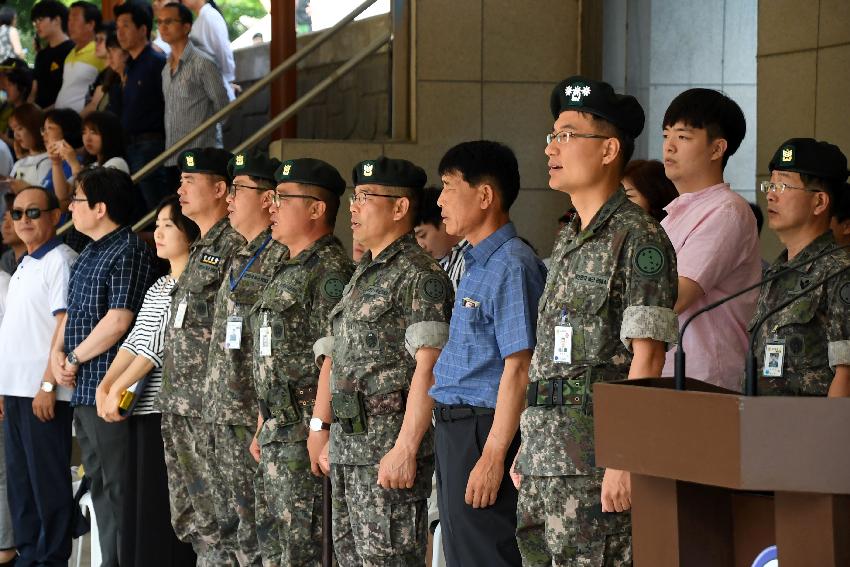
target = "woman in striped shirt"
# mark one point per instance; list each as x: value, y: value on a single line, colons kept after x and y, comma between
x: 146, y: 528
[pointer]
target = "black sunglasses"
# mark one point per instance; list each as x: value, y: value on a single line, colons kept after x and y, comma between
x: 33, y: 213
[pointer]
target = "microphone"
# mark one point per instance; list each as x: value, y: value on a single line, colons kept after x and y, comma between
x: 679, y: 357
x: 750, y: 384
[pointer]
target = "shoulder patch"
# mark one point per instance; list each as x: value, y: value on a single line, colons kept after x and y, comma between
x: 433, y: 288
x: 332, y: 287
x: 649, y: 260
x: 844, y: 293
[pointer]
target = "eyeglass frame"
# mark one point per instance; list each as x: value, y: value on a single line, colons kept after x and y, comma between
x: 556, y: 136
x: 768, y: 187
x: 279, y: 198
x: 361, y: 197
x: 29, y: 213
x: 233, y: 187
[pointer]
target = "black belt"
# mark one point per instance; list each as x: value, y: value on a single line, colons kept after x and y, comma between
x: 556, y: 392
x: 446, y: 413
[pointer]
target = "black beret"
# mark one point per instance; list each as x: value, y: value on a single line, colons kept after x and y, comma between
x: 255, y: 164
x: 807, y: 155
x: 204, y: 160
x: 598, y: 98
x: 312, y: 172
x: 390, y: 172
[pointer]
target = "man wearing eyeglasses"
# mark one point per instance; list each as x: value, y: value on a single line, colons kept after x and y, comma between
x: 186, y: 436
x: 809, y: 341
x: 388, y: 330
x: 291, y: 315
x: 36, y: 410
x: 230, y: 398
x: 713, y: 231
x: 605, y: 314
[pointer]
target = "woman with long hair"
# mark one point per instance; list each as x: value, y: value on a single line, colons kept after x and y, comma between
x: 33, y: 163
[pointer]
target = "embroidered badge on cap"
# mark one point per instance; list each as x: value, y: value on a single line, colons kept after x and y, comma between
x: 287, y: 168
x: 190, y: 160
x: 575, y: 92
x: 788, y: 155
x: 367, y: 169
x: 210, y: 260
x: 649, y: 260
x: 240, y: 160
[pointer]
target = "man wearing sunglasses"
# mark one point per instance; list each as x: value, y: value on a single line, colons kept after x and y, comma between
x: 204, y: 180
x: 230, y: 399
x: 291, y: 315
x: 808, y: 342
x: 388, y: 330
x: 37, y: 411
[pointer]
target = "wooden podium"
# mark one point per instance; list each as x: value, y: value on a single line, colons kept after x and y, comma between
x: 717, y: 476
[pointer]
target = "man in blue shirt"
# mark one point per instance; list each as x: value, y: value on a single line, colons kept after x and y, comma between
x: 482, y: 372
x: 107, y: 285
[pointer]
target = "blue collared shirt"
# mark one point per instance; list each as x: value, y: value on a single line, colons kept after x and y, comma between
x: 495, y: 316
x: 142, y: 102
x: 111, y: 273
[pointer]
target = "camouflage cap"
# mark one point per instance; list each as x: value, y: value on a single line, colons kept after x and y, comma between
x: 808, y: 156
x: 205, y: 160
x: 598, y: 98
x: 254, y: 164
x: 389, y: 172
x: 312, y: 172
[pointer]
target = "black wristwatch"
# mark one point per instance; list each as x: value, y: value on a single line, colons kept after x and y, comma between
x: 72, y: 358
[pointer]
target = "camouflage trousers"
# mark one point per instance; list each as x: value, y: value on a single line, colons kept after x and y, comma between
x: 187, y: 442
x: 560, y: 523
x: 288, y: 506
x: 233, y: 470
x: 377, y: 527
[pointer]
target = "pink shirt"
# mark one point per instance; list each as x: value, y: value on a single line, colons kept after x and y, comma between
x: 714, y: 234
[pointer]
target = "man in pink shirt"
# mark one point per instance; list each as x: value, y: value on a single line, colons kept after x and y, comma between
x: 713, y: 231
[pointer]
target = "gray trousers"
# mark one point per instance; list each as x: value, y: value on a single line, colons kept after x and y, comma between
x: 7, y: 537
x: 104, y: 454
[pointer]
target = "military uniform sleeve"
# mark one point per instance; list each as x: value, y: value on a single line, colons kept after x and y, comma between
x: 428, y: 302
x: 325, y: 294
x: 649, y: 264
x: 838, y: 329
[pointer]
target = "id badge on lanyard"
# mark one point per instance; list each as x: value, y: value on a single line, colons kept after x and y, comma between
x: 774, y: 357
x: 233, y: 335
x: 563, y: 348
x: 265, y: 336
x: 180, y: 314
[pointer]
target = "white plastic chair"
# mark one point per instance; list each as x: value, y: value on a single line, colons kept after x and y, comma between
x: 87, y: 508
x: 438, y: 559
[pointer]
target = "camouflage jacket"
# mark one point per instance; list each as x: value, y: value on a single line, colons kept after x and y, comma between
x: 230, y: 397
x: 611, y: 282
x: 393, y: 305
x: 815, y: 328
x: 295, y: 306
x: 186, y: 348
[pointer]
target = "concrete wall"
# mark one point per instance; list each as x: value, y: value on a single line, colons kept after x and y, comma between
x: 481, y: 69
x: 655, y: 49
x: 804, y: 75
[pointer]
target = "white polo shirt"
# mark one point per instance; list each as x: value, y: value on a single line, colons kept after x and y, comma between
x: 38, y: 291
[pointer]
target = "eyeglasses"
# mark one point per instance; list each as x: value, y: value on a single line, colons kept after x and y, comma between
x: 770, y: 187
x: 363, y: 196
x: 33, y: 213
x: 564, y: 137
x: 278, y: 198
x: 166, y: 21
x: 233, y: 187
x: 79, y: 200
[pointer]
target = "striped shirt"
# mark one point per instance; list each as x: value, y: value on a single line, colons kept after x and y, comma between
x: 194, y: 91
x: 454, y: 263
x: 111, y: 273
x: 147, y: 339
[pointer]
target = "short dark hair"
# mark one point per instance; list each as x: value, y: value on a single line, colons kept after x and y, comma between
x: 50, y: 9
x: 20, y: 75
x: 112, y: 40
x: 109, y: 186
x: 606, y: 128
x: 70, y: 122
x: 108, y: 125
x: 31, y: 117
x: 710, y: 109
x: 759, y: 216
x: 105, y: 27
x: 832, y: 187
x: 52, y: 200
x: 141, y: 14
x: 184, y: 13
x: 429, y: 210
x: 7, y: 15
x: 484, y: 161
x: 841, y: 210
x: 183, y: 223
x: 650, y: 180
x: 91, y: 13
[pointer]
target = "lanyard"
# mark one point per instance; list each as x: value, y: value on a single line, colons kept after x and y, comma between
x: 250, y: 263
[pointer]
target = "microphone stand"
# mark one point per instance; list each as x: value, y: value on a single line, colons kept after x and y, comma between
x: 750, y: 383
x: 679, y: 357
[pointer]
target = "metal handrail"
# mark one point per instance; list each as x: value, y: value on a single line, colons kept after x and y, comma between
x: 298, y: 105
x: 290, y: 61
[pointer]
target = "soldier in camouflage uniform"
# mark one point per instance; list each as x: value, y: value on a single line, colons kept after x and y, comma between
x: 291, y: 315
x: 807, y: 344
x: 230, y: 399
x: 606, y: 314
x: 388, y: 330
x: 203, y: 187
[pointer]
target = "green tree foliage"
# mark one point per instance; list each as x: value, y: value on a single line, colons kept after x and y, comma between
x: 232, y: 9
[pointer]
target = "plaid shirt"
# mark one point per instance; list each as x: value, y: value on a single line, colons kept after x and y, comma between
x: 495, y: 316
x: 111, y: 273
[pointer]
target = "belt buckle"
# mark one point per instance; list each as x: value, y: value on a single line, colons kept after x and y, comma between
x: 557, y: 392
